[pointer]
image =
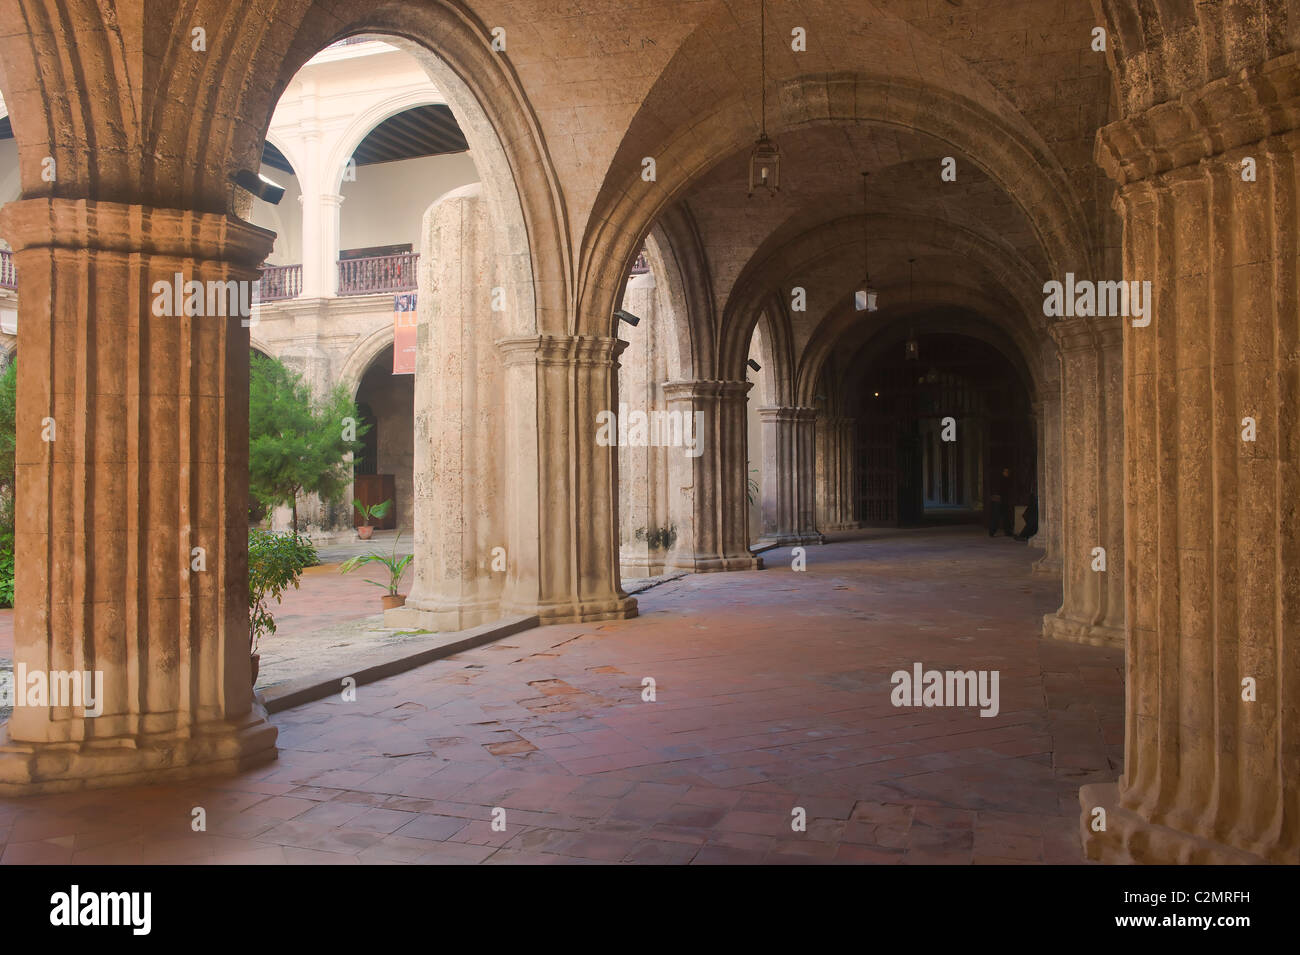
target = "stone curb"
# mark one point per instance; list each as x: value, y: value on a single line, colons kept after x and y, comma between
x: 378, y: 665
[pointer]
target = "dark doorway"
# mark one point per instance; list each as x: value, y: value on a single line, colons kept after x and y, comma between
x: 934, y: 433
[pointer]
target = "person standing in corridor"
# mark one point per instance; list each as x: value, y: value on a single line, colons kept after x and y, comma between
x: 1002, y: 513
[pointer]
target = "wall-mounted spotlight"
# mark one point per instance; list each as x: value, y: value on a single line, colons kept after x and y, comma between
x: 628, y: 317
x: 754, y: 365
x: 259, y: 186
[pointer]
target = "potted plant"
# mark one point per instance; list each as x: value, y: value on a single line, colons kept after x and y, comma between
x: 376, y: 511
x: 396, y: 567
x: 275, y: 562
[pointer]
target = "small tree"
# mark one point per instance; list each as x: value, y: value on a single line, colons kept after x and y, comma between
x: 297, y: 444
x: 275, y: 563
x: 8, y: 438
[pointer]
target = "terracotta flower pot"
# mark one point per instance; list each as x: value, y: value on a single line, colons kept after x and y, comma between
x: 255, y: 664
x: 365, y: 530
x: 393, y: 600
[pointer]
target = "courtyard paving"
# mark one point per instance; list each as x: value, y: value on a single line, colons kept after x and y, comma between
x: 772, y: 694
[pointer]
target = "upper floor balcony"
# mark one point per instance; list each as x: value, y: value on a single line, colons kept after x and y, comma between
x: 371, y: 275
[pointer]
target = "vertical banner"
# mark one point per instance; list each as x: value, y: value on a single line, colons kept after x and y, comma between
x: 404, y: 322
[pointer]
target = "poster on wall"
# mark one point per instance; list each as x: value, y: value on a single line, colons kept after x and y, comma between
x: 404, y: 322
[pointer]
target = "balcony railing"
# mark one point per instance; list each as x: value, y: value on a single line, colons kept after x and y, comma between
x: 279, y: 282
x: 382, y: 273
x: 8, y: 277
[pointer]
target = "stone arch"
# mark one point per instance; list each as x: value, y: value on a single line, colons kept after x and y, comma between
x: 364, y: 122
x: 834, y: 333
x: 484, y: 92
x: 776, y: 350
x: 363, y: 355
x: 677, y: 258
x: 1013, y: 274
x: 960, y: 321
x: 996, y: 140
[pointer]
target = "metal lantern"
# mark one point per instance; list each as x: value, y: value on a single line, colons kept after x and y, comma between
x: 765, y: 167
x: 864, y: 299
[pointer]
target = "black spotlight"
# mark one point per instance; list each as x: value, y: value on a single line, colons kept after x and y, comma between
x: 754, y: 365
x: 259, y: 186
x: 628, y: 317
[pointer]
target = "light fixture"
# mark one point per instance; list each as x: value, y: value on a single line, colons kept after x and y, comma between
x: 259, y: 185
x: 754, y: 365
x: 864, y: 299
x: 913, y: 348
x: 628, y: 317
x: 765, y: 160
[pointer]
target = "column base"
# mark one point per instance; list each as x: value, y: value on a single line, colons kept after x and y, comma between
x: 209, y: 749
x: 441, y: 618
x: 713, y: 565
x: 1130, y: 839
x: 1058, y: 627
x: 619, y: 608
x: 790, y: 540
x: 645, y: 564
x: 1047, y: 566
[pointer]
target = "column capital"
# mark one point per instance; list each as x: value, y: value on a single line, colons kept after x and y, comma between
x: 1230, y: 112
x: 114, y: 227
x: 561, y: 350
x: 702, y: 388
x: 1076, y: 334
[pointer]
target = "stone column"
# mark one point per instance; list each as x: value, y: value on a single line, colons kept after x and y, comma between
x: 462, y: 464
x: 320, y: 243
x: 1211, y: 759
x: 646, y: 531
x: 1092, y: 610
x: 562, y: 489
x: 834, y: 473
x: 789, y: 477
x: 708, y: 487
x: 1047, y: 412
x: 132, y: 491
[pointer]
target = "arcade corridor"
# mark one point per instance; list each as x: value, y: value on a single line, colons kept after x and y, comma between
x: 767, y: 698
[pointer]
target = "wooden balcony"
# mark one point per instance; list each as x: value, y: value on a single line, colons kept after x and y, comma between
x: 279, y: 282
x: 8, y: 277
x: 382, y: 273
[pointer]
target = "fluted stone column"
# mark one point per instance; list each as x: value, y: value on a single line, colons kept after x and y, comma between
x: 1211, y: 766
x: 132, y: 451
x: 563, y: 488
x: 789, y: 477
x: 832, y: 486
x: 840, y: 509
x: 1092, y: 609
x: 708, y: 497
x: 1047, y: 413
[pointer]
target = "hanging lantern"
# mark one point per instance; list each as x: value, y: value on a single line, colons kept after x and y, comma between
x: 864, y: 299
x: 765, y: 160
x: 765, y: 167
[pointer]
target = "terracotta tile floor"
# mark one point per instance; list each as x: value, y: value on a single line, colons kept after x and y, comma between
x: 772, y: 692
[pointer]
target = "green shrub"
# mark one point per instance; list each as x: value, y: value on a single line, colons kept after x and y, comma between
x: 275, y: 562
x: 6, y: 566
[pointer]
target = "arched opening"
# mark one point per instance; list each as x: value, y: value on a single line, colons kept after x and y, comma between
x: 384, y: 469
x: 939, y: 417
